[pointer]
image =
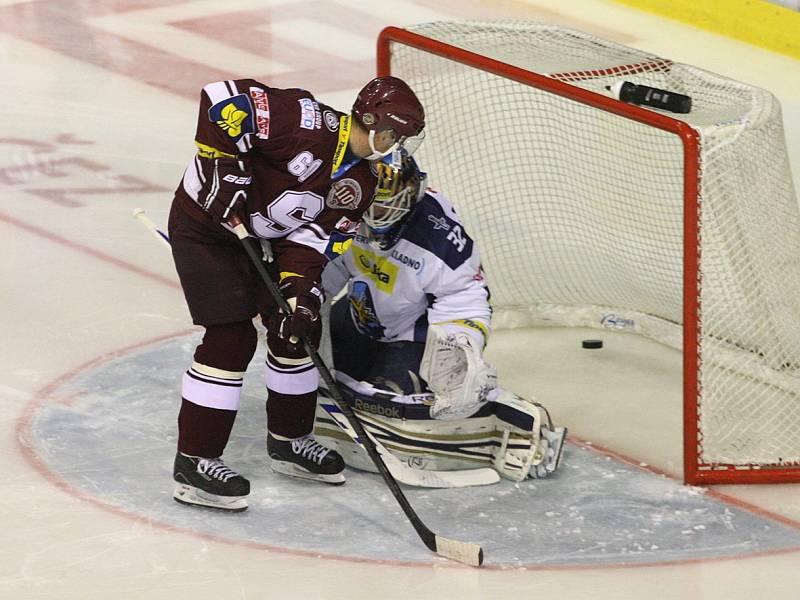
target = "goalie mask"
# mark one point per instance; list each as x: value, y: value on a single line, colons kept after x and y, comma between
x: 388, y: 103
x: 398, y: 191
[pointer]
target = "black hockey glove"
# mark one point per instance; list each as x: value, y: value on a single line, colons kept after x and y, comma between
x: 230, y: 179
x: 305, y: 321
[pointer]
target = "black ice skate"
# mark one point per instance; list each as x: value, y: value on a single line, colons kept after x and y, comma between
x: 208, y: 482
x: 306, y: 458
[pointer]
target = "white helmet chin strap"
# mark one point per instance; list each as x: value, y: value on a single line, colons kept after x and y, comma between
x: 375, y: 154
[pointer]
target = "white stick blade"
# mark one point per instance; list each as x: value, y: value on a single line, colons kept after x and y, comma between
x: 144, y: 219
x: 444, y: 479
x: 468, y: 478
x: 464, y: 552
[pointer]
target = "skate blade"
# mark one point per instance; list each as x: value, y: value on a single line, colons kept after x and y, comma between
x: 293, y: 470
x: 191, y: 496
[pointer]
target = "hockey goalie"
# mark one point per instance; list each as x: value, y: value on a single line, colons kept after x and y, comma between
x: 407, y: 341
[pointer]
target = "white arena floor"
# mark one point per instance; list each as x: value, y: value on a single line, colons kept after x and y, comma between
x: 99, y: 105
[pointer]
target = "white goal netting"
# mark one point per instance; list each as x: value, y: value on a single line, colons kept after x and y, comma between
x: 579, y: 214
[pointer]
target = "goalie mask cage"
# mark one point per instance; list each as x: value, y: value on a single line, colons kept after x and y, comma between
x: 595, y: 213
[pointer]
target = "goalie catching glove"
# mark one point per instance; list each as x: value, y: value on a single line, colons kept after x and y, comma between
x: 456, y: 373
x: 230, y: 179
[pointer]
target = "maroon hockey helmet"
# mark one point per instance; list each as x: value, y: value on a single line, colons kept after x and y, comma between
x: 388, y: 103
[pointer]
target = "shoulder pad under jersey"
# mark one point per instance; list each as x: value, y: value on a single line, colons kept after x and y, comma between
x: 434, y: 226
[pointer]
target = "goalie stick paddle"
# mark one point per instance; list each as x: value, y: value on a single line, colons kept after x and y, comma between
x: 405, y: 474
x: 465, y: 552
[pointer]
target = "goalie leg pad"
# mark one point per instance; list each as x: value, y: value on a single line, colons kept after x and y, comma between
x: 404, y: 425
x: 520, y: 424
x: 531, y: 446
x: 421, y: 444
x: 511, y: 434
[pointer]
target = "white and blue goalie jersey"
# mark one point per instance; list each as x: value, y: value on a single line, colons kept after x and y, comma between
x: 432, y: 274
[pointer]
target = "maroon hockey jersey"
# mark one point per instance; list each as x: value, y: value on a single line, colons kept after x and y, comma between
x: 304, y: 192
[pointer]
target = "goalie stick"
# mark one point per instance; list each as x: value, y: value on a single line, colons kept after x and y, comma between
x: 399, y: 470
x: 465, y: 552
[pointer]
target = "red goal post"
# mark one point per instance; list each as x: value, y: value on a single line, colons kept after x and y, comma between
x: 452, y: 44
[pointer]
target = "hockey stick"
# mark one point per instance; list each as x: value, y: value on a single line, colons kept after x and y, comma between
x: 405, y: 474
x: 466, y: 552
x: 399, y: 470
x: 148, y: 223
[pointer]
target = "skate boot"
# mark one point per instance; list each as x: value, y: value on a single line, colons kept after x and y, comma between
x: 208, y: 482
x: 305, y: 458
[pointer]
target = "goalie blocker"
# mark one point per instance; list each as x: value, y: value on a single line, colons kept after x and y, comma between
x: 511, y: 434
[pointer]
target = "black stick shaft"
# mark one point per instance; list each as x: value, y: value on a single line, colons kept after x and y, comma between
x: 249, y: 243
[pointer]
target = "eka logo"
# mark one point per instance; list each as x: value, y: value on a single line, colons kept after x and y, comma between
x: 373, y: 270
x: 232, y: 115
x: 379, y: 269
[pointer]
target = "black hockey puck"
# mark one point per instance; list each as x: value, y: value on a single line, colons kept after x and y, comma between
x: 592, y: 344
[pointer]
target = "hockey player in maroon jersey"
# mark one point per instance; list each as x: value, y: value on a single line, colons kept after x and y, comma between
x: 295, y: 171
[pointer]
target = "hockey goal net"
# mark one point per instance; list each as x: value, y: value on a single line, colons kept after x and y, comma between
x: 595, y: 213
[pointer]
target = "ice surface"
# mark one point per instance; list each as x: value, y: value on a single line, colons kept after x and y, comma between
x: 110, y: 433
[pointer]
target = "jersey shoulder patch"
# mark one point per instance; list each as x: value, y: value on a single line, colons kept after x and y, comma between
x: 234, y: 115
x: 338, y: 244
x: 434, y: 227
